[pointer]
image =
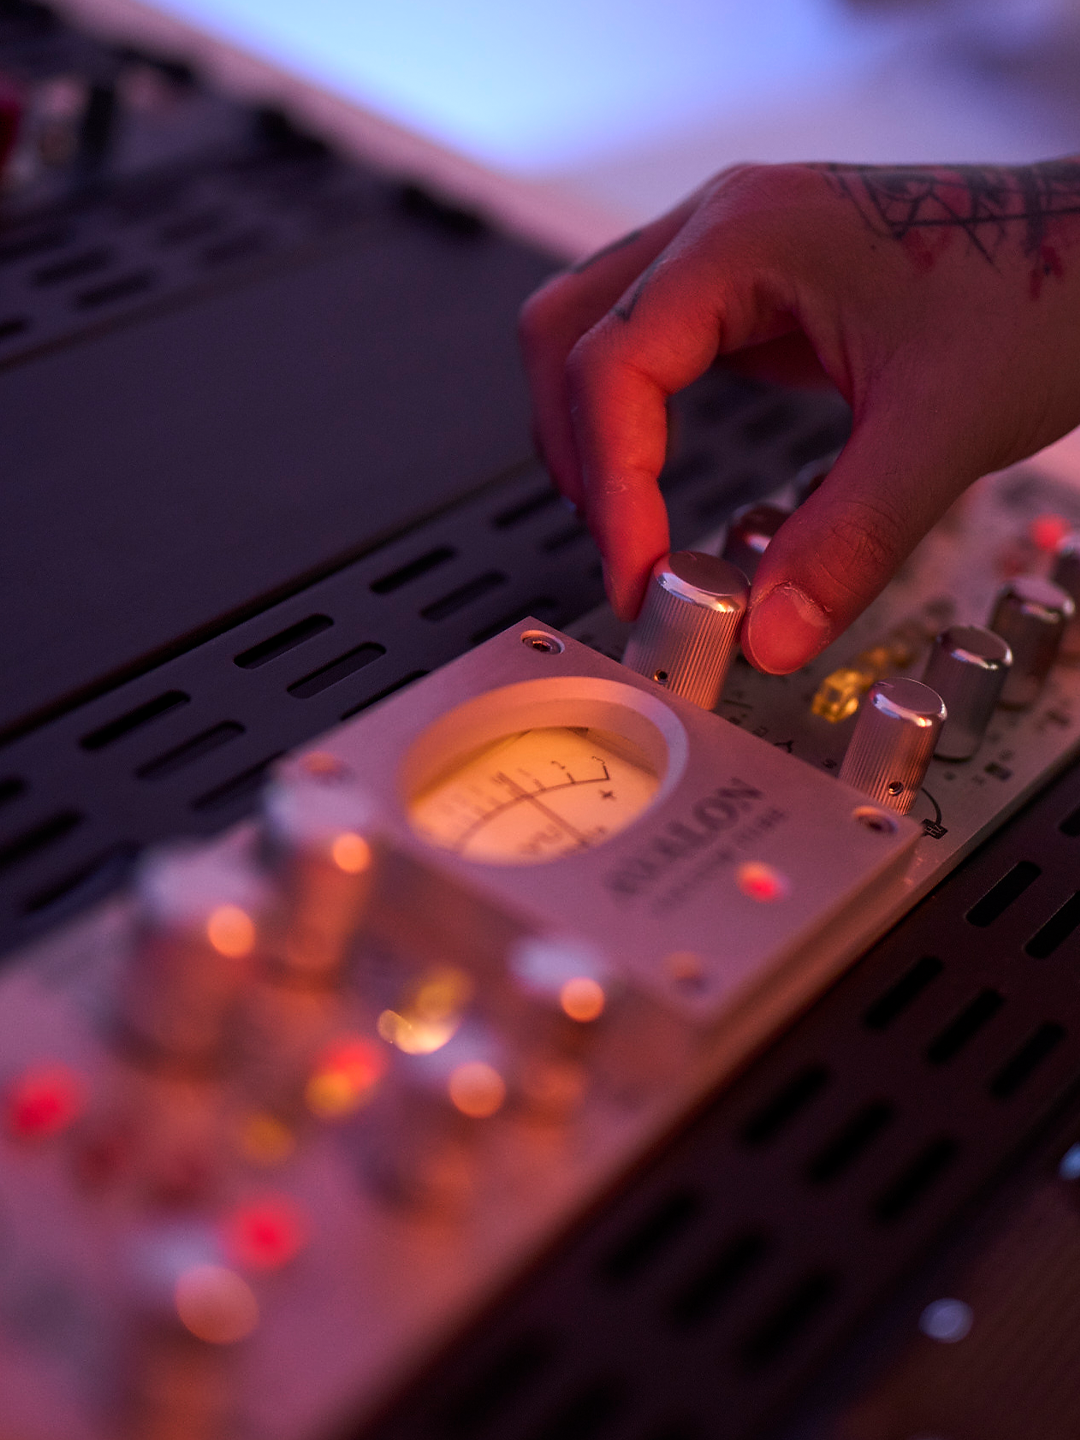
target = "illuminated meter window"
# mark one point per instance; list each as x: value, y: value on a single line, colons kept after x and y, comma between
x: 536, y: 796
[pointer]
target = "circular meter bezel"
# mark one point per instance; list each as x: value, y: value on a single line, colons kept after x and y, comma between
x: 632, y: 715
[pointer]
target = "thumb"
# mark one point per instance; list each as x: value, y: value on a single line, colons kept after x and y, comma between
x: 843, y: 545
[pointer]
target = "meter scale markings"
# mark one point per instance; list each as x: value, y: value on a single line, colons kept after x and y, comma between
x: 535, y: 796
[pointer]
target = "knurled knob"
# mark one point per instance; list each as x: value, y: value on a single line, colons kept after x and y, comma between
x: 1066, y: 573
x: 894, y: 738
x: 749, y: 534
x: 967, y: 666
x: 686, y: 634
x: 1031, y: 616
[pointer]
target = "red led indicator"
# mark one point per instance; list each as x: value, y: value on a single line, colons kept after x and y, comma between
x: 761, y: 882
x: 43, y: 1101
x: 265, y: 1233
x: 1048, y: 531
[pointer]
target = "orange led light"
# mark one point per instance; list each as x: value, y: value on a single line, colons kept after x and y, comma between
x: 351, y: 853
x: 44, y: 1101
x: 582, y: 999
x: 322, y: 764
x: 231, y: 931
x: 216, y: 1304
x: 344, y: 1078
x: 477, y: 1089
x: 266, y: 1233
x: 761, y: 882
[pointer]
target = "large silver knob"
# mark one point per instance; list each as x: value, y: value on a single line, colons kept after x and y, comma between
x: 1066, y: 573
x: 1031, y: 615
x: 967, y: 666
x: 895, y: 736
x: 688, y: 628
x: 749, y: 534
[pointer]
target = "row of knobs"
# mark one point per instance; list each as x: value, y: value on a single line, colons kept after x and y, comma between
x: 686, y: 637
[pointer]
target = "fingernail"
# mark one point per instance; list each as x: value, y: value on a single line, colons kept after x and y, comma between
x: 785, y: 630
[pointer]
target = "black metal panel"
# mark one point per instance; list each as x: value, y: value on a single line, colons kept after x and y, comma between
x: 700, y: 1300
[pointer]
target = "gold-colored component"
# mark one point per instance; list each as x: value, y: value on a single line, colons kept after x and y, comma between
x: 430, y: 1014
x: 841, y: 693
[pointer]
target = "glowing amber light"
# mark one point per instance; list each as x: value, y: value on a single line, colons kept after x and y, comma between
x: 582, y: 999
x: 216, y: 1304
x: 322, y: 764
x: 231, y: 931
x: 44, y: 1101
x: 266, y: 1139
x: 760, y: 882
x: 344, y: 1078
x: 266, y: 1233
x: 477, y: 1089
x: 351, y: 853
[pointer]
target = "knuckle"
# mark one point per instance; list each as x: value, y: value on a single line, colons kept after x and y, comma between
x: 865, y: 544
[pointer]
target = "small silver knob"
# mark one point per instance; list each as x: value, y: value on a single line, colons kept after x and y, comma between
x: 749, y: 534
x: 1031, y: 615
x: 967, y: 667
x: 1066, y: 573
x: 688, y: 628
x: 894, y: 738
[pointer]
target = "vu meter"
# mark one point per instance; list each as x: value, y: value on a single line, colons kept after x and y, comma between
x: 536, y: 796
x: 541, y: 781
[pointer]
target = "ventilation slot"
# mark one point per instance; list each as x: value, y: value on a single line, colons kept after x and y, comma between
x: 700, y: 1299
x: 963, y: 1029
x: 542, y: 606
x: 283, y: 642
x: 651, y: 1237
x: 102, y: 874
x: 785, y: 1105
x: 192, y: 750
x: 40, y: 837
x: 1016, y: 1072
x: 239, y: 789
x: 845, y: 1148
x: 914, y: 1180
x: 586, y: 1414
x: 415, y: 568
x: 1056, y: 930
x: 337, y: 670
x: 382, y: 694
x: 1071, y: 825
x: 781, y: 1329
x: 134, y: 719
x: 118, y: 289
x: 464, y: 595
x: 11, y: 787
x: 903, y: 994
x: 562, y: 538
x: 517, y: 1369
x: 542, y: 500
x: 1009, y: 888
x: 73, y: 268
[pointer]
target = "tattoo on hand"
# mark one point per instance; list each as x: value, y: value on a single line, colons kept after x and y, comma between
x: 625, y: 308
x: 990, y: 204
x: 607, y: 250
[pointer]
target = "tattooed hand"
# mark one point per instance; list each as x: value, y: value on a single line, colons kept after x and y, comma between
x: 944, y: 303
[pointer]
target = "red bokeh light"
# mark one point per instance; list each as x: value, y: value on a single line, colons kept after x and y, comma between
x: 43, y: 1101
x: 265, y: 1233
x: 1048, y: 531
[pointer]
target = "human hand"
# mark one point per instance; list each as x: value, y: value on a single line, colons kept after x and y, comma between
x: 944, y: 304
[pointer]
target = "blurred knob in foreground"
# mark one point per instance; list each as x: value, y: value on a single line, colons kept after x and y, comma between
x: 967, y: 667
x: 1031, y: 615
x: 1066, y: 573
x: 894, y: 738
x: 688, y: 628
x: 749, y: 534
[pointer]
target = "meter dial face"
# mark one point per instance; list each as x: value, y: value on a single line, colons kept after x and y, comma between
x: 536, y: 796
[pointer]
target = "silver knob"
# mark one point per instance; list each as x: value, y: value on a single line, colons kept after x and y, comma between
x: 688, y: 628
x: 895, y: 736
x: 1031, y: 615
x: 1066, y: 573
x: 749, y: 534
x: 967, y: 667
